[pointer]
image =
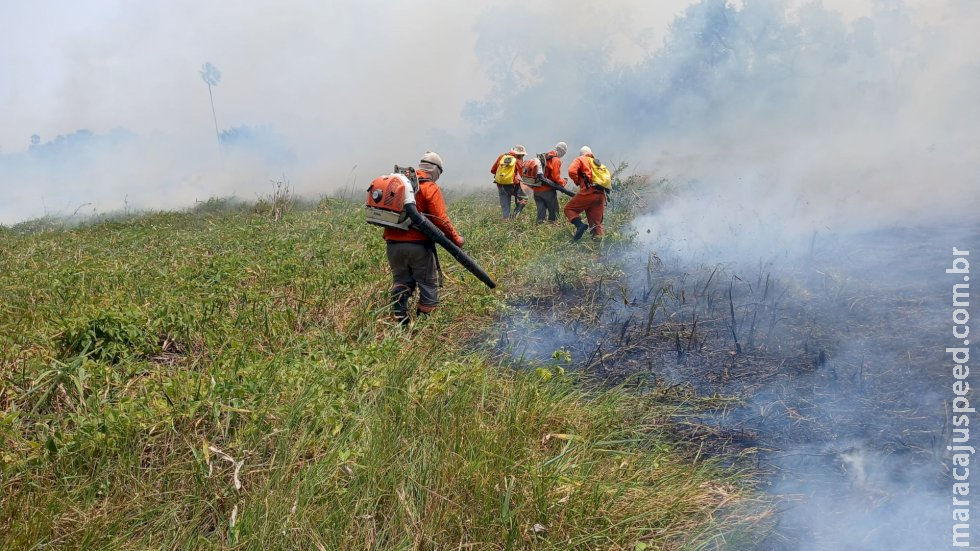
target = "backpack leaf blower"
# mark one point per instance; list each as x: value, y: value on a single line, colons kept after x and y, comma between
x: 391, y: 204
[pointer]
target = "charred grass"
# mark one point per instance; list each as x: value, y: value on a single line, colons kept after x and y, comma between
x: 822, y: 376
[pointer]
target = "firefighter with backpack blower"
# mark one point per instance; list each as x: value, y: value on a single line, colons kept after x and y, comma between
x: 594, y: 182
x: 543, y: 175
x: 410, y: 207
x: 506, y: 172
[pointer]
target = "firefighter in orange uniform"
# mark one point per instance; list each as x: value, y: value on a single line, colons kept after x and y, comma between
x: 590, y: 199
x: 545, y: 197
x: 412, y: 255
x: 506, y: 172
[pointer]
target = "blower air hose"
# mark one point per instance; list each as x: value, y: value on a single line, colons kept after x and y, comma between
x: 432, y: 232
x: 557, y: 187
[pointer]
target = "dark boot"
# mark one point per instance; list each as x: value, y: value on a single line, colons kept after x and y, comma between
x: 399, y: 298
x: 580, y: 229
x: 518, y: 209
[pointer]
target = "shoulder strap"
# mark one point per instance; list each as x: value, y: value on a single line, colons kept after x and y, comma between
x: 412, y: 176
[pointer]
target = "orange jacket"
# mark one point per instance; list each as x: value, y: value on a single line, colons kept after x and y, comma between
x: 429, y: 201
x: 517, y: 169
x: 552, y: 169
x: 580, y: 171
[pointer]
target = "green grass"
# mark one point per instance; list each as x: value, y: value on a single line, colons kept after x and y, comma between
x: 225, y: 378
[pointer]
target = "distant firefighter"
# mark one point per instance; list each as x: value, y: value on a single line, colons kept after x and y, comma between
x: 506, y: 172
x: 537, y: 173
x: 594, y: 182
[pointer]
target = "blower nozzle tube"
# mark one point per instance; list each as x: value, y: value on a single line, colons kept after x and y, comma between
x: 423, y: 224
x: 556, y: 187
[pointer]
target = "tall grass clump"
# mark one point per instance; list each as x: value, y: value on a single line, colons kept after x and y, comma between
x: 230, y: 378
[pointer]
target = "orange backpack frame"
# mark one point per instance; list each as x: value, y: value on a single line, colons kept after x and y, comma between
x: 387, y: 196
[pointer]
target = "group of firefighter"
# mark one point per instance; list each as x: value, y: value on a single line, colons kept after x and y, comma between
x: 412, y: 254
x: 542, y: 176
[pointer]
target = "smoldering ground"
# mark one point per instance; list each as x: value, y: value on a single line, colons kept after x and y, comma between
x: 852, y: 406
x: 818, y: 174
x: 835, y: 354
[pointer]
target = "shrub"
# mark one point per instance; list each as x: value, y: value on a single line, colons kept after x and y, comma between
x: 109, y: 335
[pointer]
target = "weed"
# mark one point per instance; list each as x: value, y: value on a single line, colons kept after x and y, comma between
x: 109, y: 335
x: 276, y: 204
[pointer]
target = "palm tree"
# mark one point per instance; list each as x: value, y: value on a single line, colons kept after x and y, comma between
x: 212, y: 76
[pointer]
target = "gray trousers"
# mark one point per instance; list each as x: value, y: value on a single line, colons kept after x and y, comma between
x: 547, y: 203
x: 413, y: 264
x: 505, y: 192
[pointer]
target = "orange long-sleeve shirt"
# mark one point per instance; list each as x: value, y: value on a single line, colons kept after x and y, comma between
x: 429, y: 202
x: 580, y: 171
x: 552, y: 171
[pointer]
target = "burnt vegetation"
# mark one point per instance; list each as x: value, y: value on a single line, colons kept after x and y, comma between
x: 822, y: 372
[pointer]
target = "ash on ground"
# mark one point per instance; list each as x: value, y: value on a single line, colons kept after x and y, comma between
x: 834, y: 359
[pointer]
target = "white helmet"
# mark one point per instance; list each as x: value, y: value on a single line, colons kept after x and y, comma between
x: 519, y: 150
x: 561, y: 148
x: 586, y: 150
x: 433, y: 158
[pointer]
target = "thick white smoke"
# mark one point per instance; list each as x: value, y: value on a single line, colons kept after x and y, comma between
x: 810, y: 124
x: 338, y: 85
x: 759, y: 94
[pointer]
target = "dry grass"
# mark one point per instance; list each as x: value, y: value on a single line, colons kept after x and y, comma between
x: 238, y: 342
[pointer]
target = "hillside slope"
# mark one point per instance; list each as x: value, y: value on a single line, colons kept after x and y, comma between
x: 226, y: 378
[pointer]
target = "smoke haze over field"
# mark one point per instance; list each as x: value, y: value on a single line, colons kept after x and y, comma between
x: 834, y: 144
x: 842, y: 112
x: 361, y: 84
